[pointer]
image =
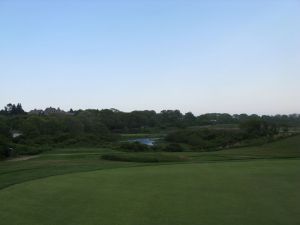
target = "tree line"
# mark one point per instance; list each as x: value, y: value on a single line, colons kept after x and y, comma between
x: 97, y: 127
x: 116, y: 120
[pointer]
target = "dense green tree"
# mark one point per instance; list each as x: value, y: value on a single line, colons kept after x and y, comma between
x: 170, y: 117
x: 256, y: 127
x: 12, y: 109
x: 189, y: 119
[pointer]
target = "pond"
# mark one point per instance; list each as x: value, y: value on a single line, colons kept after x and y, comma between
x: 145, y: 141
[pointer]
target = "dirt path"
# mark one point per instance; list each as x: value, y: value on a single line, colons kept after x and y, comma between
x: 23, y: 158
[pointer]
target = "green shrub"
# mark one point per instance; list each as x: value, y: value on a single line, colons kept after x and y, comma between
x: 134, y: 147
x: 144, y: 157
x: 206, y: 138
x: 30, y: 150
x: 173, y: 147
x: 5, y: 150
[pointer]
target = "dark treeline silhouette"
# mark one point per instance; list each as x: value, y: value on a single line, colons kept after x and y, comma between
x: 116, y: 120
x: 12, y: 109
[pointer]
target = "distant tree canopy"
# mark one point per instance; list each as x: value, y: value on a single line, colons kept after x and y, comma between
x: 12, y: 109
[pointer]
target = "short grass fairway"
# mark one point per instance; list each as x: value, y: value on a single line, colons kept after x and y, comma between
x: 258, y: 192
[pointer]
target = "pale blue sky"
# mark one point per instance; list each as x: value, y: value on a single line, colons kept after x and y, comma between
x: 200, y: 56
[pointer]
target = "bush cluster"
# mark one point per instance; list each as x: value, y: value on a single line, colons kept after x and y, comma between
x: 221, y: 138
x: 139, y: 147
x: 144, y: 157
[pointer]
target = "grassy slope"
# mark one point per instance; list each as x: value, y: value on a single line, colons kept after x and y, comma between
x: 285, y: 148
x: 49, y: 165
x: 263, y: 192
x: 64, y: 161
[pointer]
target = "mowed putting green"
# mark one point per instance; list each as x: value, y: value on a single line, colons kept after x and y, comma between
x: 260, y: 192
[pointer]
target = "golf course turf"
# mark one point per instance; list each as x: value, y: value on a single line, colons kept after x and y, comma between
x: 254, y: 192
x: 256, y: 185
